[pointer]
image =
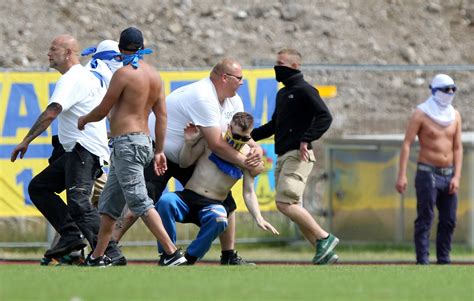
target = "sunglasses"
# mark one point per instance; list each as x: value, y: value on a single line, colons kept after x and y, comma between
x: 447, y: 89
x: 239, y: 78
x: 240, y: 137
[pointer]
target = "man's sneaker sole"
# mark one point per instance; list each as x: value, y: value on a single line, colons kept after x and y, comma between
x: 60, y: 252
x: 329, y: 249
x: 121, y: 261
x: 329, y: 259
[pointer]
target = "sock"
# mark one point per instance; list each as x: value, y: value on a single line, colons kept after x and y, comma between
x: 227, y: 253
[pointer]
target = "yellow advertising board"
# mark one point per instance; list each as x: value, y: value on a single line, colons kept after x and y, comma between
x: 24, y: 95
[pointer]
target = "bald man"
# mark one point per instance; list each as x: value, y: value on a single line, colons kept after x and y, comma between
x: 209, y: 104
x: 76, y: 93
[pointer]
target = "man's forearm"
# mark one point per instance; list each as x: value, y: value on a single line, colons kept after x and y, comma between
x: 95, y: 115
x: 43, y: 122
x: 404, y: 153
x: 458, y: 157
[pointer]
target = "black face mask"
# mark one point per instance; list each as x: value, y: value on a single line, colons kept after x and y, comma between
x: 283, y: 72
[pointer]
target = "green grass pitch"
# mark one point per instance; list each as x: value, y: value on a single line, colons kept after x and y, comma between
x: 285, y: 282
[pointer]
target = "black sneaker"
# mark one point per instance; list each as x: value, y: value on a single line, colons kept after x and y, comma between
x: 177, y: 258
x: 65, y: 246
x: 191, y: 260
x: 115, y: 254
x: 233, y: 259
x: 101, y: 261
x: 119, y: 261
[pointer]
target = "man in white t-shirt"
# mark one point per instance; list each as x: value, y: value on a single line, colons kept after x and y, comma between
x: 76, y: 93
x: 104, y: 62
x: 209, y: 104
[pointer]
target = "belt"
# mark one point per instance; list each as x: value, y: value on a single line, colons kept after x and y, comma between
x: 442, y: 171
x: 116, y: 138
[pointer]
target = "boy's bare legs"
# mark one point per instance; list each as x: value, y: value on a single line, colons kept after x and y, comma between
x: 227, y: 238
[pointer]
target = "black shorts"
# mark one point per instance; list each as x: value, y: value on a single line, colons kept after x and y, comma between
x: 157, y: 184
x: 196, y: 202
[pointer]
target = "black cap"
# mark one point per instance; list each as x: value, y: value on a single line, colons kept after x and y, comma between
x: 131, y: 39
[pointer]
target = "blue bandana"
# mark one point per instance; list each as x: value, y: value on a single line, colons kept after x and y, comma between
x: 133, y: 59
x: 226, y: 167
x: 104, y: 55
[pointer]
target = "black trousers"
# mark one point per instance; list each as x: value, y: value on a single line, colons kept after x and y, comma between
x: 432, y: 190
x: 76, y: 172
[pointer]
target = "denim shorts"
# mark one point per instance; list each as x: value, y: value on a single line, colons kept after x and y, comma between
x: 131, y: 153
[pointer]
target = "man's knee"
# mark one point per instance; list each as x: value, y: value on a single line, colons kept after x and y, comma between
x: 35, y: 189
x: 283, y: 207
x: 166, y: 204
x: 215, y: 216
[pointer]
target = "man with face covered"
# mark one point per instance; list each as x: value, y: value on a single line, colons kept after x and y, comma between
x: 300, y: 117
x: 438, y: 127
x: 203, y: 199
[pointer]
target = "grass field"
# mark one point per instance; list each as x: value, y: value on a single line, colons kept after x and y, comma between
x: 292, y: 282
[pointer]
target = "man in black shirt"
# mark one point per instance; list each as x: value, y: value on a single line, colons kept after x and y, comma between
x: 300, y: 117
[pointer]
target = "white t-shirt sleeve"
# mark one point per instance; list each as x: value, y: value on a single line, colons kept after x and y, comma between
x: 65, y: 93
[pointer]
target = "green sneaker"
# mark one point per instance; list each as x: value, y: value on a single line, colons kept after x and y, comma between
x: 329, y: 259
x: 324, y: 246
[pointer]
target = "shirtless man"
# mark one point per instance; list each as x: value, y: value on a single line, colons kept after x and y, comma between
x: 202, y: 200
x: 438, y: 127
x: 134, y: 91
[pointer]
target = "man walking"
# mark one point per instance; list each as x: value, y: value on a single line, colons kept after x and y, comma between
x: 300, y: 117
x: 134, y: 91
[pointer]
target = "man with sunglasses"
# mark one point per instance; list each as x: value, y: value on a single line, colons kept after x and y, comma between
x: 203, y: 199
x: 209, y: 104
x: 438, y: 127
x: 300, y: 117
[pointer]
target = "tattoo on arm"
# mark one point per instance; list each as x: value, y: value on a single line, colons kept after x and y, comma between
x: 44, y: 120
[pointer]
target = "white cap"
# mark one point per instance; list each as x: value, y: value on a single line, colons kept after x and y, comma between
x: 441, y: 81
x: 107, y: 45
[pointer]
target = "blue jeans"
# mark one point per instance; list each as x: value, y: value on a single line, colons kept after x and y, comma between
x: 212, y: 218
x: 432, y: 189
x: 131, y: 153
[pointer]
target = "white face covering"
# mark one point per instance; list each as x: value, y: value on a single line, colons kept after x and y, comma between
x: 443, y: 99
x: 113, y: 65
x: 438, y: 107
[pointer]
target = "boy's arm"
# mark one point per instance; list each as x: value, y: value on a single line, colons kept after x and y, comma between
x: 251, y: 202
x: 193, y: 147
